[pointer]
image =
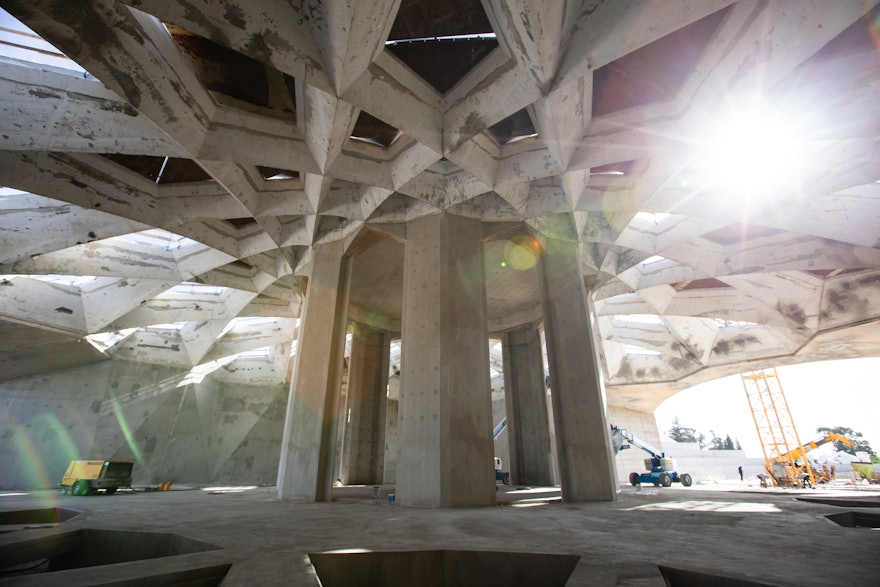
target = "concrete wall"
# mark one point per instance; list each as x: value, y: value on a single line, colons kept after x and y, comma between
x: 702, y: 465
x: 176, y: 429
x: 712, y: 465
x: 644, y: 427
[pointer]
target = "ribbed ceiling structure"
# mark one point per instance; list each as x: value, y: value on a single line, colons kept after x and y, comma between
x: 165, y: 193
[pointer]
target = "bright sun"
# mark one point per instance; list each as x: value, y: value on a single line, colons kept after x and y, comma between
x: 755, y: 150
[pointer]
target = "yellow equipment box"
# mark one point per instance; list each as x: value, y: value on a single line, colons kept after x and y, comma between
x: 87, y: 477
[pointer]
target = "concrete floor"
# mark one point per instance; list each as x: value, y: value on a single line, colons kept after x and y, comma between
x: 760, y: 535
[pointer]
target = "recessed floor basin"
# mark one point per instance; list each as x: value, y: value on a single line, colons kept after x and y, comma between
x: 686, y: 578
x: 37, y: 516
x: 443, y: 568
x: 89, y: 548
x: 856, y: 519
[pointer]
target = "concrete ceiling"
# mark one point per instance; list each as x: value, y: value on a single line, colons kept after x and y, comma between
x: 253, y: 131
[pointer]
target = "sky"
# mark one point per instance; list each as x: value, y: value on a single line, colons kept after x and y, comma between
x: 826, y: 394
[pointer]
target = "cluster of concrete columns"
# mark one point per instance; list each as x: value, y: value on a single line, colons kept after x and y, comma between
x: 445, y: 447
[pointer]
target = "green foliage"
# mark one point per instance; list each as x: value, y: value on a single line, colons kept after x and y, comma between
x: 726, y: 443
x: 680, y: 433
x: 859, y: 443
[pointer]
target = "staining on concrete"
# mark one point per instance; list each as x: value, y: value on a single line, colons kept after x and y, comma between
x: 258, y: 48
x: 473, y: 124
x: 235, y: 16
x: 120, y: 107
x: 792, y: 312
x: 233, y: 404
x: 129, y: 87
x: 725, y: 347
x: 43, y: 94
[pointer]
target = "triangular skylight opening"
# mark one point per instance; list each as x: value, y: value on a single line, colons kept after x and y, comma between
x: 859, y: 37
x: 228, y: 72
x: 826, y: 273
x: 633, y: 350
x: 162, y: 170
x: 706, y: 283
x: 613, y: 169
x: 516, y: 127
x: 17, y: 41
x: 370, y: 129
x: 275, y: 174
x: 241, y: 222
x: 441, y: 41
x: 739, y: 233
x: 74, y: 280
x: 657, y: 71
x: 158, y: 237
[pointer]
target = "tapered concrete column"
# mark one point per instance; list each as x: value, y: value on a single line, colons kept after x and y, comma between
x: 528, y: 428
x: 367, y: 398
x: 305, y: 470
x: 445, y: 437
x: 586, y: 458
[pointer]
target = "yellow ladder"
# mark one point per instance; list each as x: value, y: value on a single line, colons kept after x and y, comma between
x: 776, y: 430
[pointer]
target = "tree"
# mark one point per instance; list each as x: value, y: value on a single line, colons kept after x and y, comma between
x: 680, y: 433
x: 718, y: 443
x: 859, y: 443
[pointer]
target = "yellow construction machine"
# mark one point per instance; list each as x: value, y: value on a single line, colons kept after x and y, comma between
x: 89, y: 476
x: 793, y: 469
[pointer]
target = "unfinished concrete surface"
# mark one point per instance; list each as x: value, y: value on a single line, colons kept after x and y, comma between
x: 755, y: 536
x: 201, y: 200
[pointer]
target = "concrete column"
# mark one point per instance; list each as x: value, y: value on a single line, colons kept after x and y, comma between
x: 367, y: 398
x: 583, y: 444
x: 305, y: 470
x: 445, y: 437
x: 528, y: 428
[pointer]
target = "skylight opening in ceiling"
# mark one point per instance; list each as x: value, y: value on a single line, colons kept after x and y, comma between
x: 274, y: 174
x: 721, y: 323
x: 516, y: 127
x: 632, y: 319
x: 704, y: 283
x: 195, y: 289
x: 9, y: 192
x: 158, y: 237
x: 259, y: 353
x: 75, y: 280
x: 633, y: 350
x: 612, y: 169
x: 479, y: 36
x: 369, y: 129
x: 441, y: 41
x: 654, y: 259
x: 230, y: 73
x: 246, y: 322
x: 656, y: 72
x: 161, y: 170
x: 20, y: 42
x: 104, y: 340
x: 171, y: 326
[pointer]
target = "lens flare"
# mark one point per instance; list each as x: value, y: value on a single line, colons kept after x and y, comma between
x: 521, y: 252
x: 126, y: 431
